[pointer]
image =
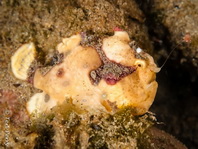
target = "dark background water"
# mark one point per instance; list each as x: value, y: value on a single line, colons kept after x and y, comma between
x: 176, y: 104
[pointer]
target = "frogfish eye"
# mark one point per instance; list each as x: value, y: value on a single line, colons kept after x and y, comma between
x: 140, y: 63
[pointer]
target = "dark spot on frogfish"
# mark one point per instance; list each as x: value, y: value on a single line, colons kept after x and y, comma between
x: 60, y: 72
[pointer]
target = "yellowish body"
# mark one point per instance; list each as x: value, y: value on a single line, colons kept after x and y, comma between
x: 71, y: 79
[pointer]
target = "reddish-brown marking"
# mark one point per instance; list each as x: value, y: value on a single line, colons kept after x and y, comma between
x: 110, y: 81
x: 117, y: 29
x: 60, y: 72
x: 187, y: 38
